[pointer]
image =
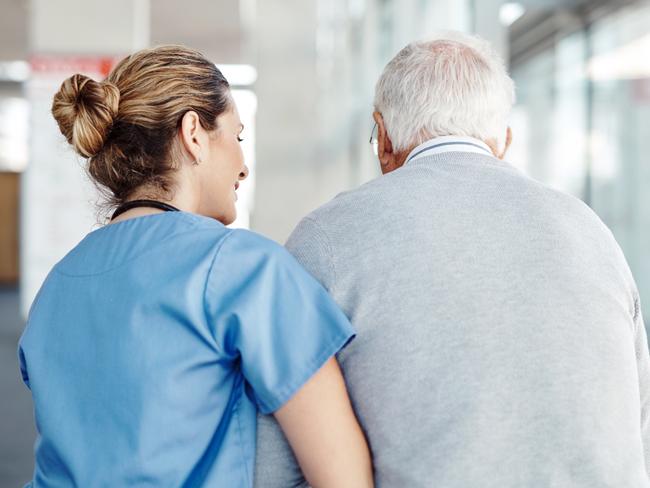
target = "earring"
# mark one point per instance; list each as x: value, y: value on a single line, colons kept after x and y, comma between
x: 197, y: 161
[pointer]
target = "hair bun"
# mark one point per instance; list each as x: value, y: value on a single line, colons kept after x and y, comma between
x: 85, y: 110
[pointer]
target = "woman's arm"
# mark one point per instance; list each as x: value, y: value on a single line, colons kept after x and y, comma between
x: 324, y: 433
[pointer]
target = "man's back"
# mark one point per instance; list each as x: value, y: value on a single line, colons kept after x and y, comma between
x: 500, y: 342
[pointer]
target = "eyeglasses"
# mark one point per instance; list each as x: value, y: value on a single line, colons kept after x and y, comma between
x: 373, y: 140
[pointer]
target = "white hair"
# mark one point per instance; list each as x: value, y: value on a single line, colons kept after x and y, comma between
x: 455, y: 84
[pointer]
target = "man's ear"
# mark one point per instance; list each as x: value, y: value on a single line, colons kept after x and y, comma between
x: 494, y: 145
x: 190, y: 135
x: 507, y: 144
x: 385, y: 151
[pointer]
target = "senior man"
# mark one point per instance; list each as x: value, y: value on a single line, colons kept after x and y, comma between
x: 500, y: 339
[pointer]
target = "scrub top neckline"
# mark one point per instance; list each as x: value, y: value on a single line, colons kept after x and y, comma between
x: 104, y: 249
x: 142, y: 218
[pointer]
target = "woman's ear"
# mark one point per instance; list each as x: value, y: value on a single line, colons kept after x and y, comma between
x: 191, y: 136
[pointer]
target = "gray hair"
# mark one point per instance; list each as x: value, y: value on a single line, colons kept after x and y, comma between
x: 455, y: 84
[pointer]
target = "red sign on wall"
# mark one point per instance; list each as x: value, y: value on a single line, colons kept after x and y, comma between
x: 44, y: 64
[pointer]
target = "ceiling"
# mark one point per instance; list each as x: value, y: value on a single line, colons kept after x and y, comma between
x: 212, y: 26
x: 544, y: 20
x: 216, y: 27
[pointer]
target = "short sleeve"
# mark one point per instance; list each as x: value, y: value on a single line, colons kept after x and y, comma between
x: 267, y: 312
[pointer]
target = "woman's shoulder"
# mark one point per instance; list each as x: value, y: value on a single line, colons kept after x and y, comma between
x: 247, y: 241
x: 235, y: 236
x: 140, y: 240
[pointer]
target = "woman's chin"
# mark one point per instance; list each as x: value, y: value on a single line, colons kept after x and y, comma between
x: 228, y: 218
x: 224, y: 215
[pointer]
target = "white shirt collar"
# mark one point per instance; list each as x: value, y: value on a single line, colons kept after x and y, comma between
x: 444, y: 144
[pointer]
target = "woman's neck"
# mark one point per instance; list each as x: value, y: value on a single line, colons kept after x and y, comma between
x: 179, y: 198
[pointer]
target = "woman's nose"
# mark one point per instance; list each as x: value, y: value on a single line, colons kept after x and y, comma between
x: 244, y: 174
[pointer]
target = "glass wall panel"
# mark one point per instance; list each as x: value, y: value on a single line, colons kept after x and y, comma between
x: 582, y: 125
x: 620, y: 140
x: 550, y: 117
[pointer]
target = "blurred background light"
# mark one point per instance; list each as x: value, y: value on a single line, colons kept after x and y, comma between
x: 239, y: 74
x: 628, y: 62
x: 510, y: 12
x: 14, y: 128
x: 17, y: 71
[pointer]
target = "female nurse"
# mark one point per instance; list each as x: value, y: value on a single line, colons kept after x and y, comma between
x: 153, y: 343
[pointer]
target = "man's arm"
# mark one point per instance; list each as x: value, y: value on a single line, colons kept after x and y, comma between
x: 275, y: 464
x: 643, y: 368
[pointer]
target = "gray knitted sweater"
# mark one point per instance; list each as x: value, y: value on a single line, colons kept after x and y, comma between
x: 500, y: 340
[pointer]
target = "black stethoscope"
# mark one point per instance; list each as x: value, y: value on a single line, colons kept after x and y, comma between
x: 143, y: 203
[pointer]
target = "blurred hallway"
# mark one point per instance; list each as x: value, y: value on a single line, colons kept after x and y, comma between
x: 17, y: 436
x: 303, y: 76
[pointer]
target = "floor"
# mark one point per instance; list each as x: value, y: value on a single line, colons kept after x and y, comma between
x: 16, y: 416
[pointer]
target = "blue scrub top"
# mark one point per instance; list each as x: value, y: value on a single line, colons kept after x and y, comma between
x: 152, y: 344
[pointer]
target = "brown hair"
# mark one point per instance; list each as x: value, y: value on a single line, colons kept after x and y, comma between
x: 125, y: 125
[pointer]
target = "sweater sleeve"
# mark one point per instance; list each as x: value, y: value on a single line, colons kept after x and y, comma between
x: 643, y: 368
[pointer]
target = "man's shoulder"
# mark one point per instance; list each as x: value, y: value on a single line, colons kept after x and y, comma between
x: 334, y: 229
x: 568, y: 206
x: 349, y: 205
x: 368, y: 206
